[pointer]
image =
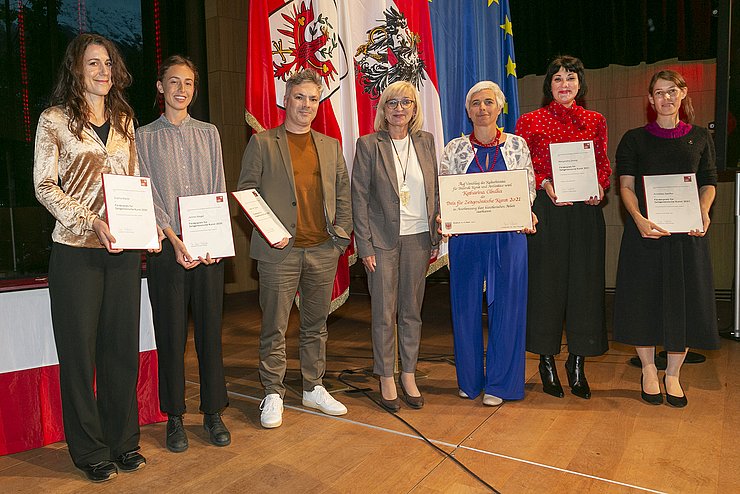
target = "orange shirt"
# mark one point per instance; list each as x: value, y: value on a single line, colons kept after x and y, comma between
x: 311, y: 228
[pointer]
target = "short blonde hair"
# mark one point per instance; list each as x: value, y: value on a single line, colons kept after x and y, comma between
x: 392, y: 91
x: 483, y: 85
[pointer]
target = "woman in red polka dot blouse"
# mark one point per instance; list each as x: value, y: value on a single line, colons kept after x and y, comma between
x: 566, y: 255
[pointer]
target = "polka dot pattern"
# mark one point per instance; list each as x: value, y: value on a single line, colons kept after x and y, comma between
x: 555, y: 123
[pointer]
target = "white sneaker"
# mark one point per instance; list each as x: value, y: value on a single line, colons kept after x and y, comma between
x: 320, y: 399
x: 492, y: 401
x: 272, y: 411
x: 462, y: 394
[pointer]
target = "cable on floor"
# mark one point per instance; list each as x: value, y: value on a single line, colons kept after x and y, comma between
x: 365, y: 391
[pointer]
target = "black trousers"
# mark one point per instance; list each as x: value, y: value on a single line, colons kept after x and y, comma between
x: 171, y: 289
x: 566, y: 279
x: 95, y: 300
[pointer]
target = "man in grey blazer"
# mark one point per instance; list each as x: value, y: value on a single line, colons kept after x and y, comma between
x: 302, y: 176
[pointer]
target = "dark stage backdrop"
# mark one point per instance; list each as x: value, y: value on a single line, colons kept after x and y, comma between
x: 624, y: 32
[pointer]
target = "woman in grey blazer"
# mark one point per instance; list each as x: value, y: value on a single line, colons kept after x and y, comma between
x: 394, y: 205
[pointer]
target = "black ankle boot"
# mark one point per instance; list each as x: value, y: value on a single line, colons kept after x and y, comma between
x: 549, y: 375
x: 576, y: 376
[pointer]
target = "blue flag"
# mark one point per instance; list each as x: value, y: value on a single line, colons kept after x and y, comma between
x: 473, y: 41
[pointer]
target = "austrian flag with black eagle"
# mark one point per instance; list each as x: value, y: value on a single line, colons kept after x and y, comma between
x: 358, y: 47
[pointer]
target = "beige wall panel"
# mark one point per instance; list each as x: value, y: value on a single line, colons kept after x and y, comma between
x: 215, y: 101
x: 235, y: 9
x: 234, y: 140
x: 232, y: 95
x: 721, y: 248
x: 723, y: 211
x: 211, y: 8
x: 213, y: 49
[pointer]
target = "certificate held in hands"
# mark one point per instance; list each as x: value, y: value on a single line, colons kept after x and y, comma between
x: 672, y: 202
x: 206, y: 225
x: 261, y: 216
x: 130, y: 210
x: 574, y: 171
x: 485, y: 202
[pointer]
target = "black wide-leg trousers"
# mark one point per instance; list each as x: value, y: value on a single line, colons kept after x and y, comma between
x: 95, y: 300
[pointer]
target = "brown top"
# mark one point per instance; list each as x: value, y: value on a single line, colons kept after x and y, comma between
x: 311, y: 223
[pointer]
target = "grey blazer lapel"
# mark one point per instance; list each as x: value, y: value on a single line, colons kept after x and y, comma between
x: 385, y: 147
x: 281, y: 137
x: 425, y: 161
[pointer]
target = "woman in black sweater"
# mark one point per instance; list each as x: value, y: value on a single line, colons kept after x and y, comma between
x: 665, y: 291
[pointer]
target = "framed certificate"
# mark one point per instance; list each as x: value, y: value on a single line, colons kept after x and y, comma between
x: 261, y: 216
x: 672, y: 202
x: 130, y: 210
x: 485, y: 202
x: 206, y: 225
x: 574, y: 171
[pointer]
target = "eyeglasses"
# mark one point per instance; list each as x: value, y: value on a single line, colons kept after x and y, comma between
x: 671, y: 93
x: 405, y: 103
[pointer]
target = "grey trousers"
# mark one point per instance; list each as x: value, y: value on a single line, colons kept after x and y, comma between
x: 310, y: 271
x: 397, y: 291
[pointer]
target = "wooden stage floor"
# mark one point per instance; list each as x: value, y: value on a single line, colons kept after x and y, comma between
x: 611, y: 443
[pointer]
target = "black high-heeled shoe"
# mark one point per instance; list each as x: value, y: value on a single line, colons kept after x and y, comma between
x: 574, y: 368
x: 549, y: 375
x: 655, y: 399
x: 675, y: 401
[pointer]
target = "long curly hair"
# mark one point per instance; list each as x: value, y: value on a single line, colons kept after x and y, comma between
x: 69, y: 90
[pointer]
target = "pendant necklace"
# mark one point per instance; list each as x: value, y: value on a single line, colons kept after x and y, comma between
x: 475, y: 142
x: 404, y: 192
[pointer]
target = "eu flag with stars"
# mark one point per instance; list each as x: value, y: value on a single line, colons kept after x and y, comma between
x: 473, y: 41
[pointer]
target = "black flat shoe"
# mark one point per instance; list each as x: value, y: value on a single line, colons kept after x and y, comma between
x: 218, y: 434
x: 574, y: 368
x: 130, y: 461
x: 549, y: 375
x: 100, y: 471
x: 655, y: 399
x: 177, y: 439
x: 675, y: 401
x: 415, y: 402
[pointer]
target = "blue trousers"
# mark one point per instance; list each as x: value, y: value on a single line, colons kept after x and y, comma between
x: 499, y: 259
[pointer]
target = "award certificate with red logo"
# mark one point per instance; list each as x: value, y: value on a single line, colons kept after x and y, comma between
x: 262, y: 217
x: 574, y: 171
x: 485, y: 202
x: 672, y: 202
x: 206, y: 225
x: 130, y: 210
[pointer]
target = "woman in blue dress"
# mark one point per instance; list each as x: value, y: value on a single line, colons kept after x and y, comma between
x: 497, y: 261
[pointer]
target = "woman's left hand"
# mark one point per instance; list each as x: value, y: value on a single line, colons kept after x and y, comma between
x: 160, y: 236
x: 595, y: 201
x: 532, y: 230
x: 105, y: 237
x: 705, y: 221
x: 207, y: 260
x: 445, y: 236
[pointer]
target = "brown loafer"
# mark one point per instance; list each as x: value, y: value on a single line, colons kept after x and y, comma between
x: 413, y: 401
